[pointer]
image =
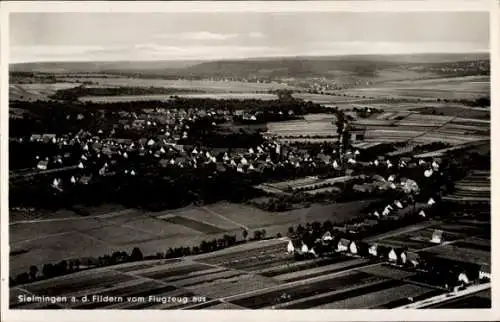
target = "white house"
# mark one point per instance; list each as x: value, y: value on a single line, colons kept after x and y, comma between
x: 42, y: 165
x: 343, y: 245
x: 431, y: 201
x: 327, y: 237
x: 353, y: 248
x: 485, y: 272
x: 398, y: 204
x: 462, y: 278
x: 373, y: 250
x: 293, y: 245
x: 393, y: 256
x: 437, y: 236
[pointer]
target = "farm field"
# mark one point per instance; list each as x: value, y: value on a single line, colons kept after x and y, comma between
x: 311, y: 184
x: 425, y: 129
x: 321, y: 127
x: 478, y: 300
x: 377, y: 297
x: 167, y: 97
x: 40, y: 242
x: 307, y: 140
x: 475, y: 187
x: 477, y: 83
x: 205, y: 85
x: 325, y: 99
x: 238, y: 277
x: 33, y: 92
x: 451, y: 110
x: 451, y: 88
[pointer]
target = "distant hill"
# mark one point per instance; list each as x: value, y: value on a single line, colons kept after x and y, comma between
x: 356, y: 65
x: 96, y: 67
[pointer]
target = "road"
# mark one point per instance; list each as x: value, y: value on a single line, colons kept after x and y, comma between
x: 449, y: 297
x: 41, y: 172
x: 107, y: 215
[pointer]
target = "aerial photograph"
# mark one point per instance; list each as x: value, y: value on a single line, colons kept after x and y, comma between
x: 249, y: 160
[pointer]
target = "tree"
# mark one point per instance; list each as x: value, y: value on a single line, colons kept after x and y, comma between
x: 245, y: 234
x: 48, y: 270
x: 263, y: 233
x: 33, y: 272
x: 257, y: 235
x: 77, y: 264
x: 136, y: 254
x: 22, y: 278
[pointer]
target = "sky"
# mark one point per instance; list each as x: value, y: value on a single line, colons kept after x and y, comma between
x: 51, y: 37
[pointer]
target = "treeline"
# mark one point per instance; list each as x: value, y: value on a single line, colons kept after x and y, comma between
x: 65, y: 267
x: 73, y: 94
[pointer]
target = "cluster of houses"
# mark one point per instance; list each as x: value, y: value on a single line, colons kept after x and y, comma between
x: 108, y: 156
x: 463, y: 273
x: 102, y: 154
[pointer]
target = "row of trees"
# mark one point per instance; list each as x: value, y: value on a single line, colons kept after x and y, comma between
x: 73, y: 94
x: 71, y: 266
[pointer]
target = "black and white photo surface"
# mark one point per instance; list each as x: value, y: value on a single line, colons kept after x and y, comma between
x: 249, y: 159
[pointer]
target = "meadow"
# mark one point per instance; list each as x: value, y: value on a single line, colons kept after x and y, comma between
x: 449, y: 88
x: 42, y: 241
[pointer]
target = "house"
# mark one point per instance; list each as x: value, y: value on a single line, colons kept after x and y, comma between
x: 485, y: 272
x: 397, y: 256
x: 462, y: 278
x: 297, y: 246
x: 85, y: 179
x: 373, y: 250
x: 437, y: 236
x: 353, y: 248
x: 48, y: 138
x: 392, y: 256
x: 343, y: 245
x: 327, y: 237
x: 42, y: 165
x: 413, y: 259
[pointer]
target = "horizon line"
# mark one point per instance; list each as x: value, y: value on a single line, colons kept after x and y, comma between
x: 254, y: 57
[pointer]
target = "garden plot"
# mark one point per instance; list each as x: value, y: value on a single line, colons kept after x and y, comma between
x: 376, y: 296
x: 344, y: 264
x: 77, y: 283
x: 204, y: 216
x: 386, y: 271
x: 304, y: 289
x: 231, y: 286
